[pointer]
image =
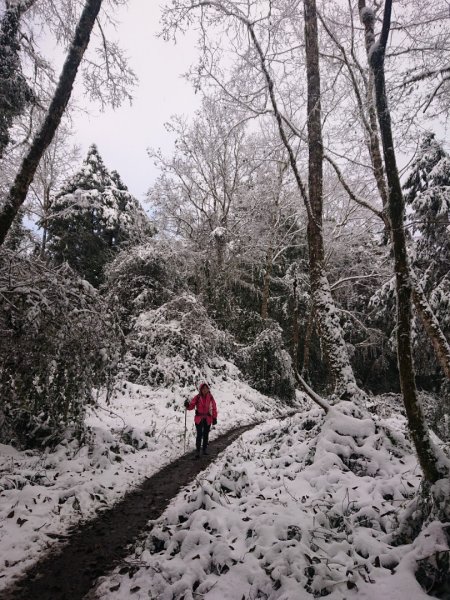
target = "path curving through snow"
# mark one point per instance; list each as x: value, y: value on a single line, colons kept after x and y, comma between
x: 70, y: 570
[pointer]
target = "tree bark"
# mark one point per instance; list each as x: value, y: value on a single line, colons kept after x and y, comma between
x: 433, y: 470
x: 295, y: 328
x: 43, y: 138
x: 423, y: 309
x: 328, y: 321
x: 440, y: 345
x: 328, y: 324
x: 374, y: 149
x: 17, y: 93
x: 307, y: 343
x: 266, y: 285
x: 374, y: 141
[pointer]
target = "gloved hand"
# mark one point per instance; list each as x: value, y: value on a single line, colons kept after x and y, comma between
x: 214, y: 421
x: 186, y: 403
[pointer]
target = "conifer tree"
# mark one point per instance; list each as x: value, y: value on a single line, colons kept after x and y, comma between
x: 15, y: 93
x: 427, y: 191
x: 43, y: 138
x: 92, y: 217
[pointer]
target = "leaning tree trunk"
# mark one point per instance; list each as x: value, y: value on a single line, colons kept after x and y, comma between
x: 423, y: 309
x: 433, y: 470
x: 43, y: 138
x: 327, y: 316
x: 440, y: 345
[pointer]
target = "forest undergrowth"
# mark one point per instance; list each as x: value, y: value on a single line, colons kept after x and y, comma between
x: 322, y: 506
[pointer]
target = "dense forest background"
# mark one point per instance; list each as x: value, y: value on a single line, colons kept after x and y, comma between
x: 280, y: 234
x: 227, y: 222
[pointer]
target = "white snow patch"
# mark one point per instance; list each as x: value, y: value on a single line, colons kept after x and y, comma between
x: 291, y: 510
x: 43, y: 494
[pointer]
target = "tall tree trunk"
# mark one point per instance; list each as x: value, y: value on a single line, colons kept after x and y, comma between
x: 328, y: 324
x: 374, y: 140
x: 295, y: 328
x: 266, y: 285
x: 43, y: 138
x: 427, y: 455
x: 328, y: 321
x: 369, y: 122
x: 440, y: 345
x: 374, y: 145
x: 307, y: 343
x: 423, y: 309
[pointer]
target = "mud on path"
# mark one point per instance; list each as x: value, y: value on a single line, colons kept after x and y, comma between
x: 69, y: 571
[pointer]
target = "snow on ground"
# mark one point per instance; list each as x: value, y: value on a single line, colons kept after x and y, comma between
x: 293, y: 510
x: 44, y: 494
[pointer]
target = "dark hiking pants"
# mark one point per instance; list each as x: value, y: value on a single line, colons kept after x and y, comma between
x: 202, y: 434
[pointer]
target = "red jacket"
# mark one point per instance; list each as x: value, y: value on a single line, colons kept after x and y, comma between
x: 205, y: 408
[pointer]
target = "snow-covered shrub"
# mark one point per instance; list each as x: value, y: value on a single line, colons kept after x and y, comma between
x: 437, y: 410
x: 433, y: 572
x: 142, y: 277
x: 440, y: 302
x: 58, y: 341
x: 267, y: 364
x: 245, y: 324
x: 175, y: 343
x: 284, y: 514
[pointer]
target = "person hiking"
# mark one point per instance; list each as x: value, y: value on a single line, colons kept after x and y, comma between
x: 205, y: 416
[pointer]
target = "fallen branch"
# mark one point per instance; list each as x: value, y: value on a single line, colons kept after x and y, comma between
x: 311, y: 393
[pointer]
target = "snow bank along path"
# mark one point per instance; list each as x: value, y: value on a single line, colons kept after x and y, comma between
x: 69, y: 572
x: 45, y: 494
x: 297, y: 510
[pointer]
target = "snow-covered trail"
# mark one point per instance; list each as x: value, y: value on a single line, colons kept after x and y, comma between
x: 308, y: 508
x: 45, y: 494
x: 96, y: 547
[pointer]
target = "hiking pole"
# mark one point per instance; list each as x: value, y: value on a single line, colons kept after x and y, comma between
x: 185, y: 413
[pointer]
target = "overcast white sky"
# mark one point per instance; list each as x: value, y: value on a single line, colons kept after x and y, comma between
x: 123, y: 135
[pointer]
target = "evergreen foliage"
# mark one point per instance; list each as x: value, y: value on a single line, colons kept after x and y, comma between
x: 58, y: 342
x: 427, y: 191
x: 143, y: 277
x: 176, y: 343
x: 92, y: 217
x: 15, y: 93
x: 267, y: 364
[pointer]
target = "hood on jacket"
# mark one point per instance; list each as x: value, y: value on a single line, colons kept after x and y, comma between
x: 202, y: 385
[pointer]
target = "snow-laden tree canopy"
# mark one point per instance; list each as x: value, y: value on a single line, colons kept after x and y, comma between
x: 92, y: 217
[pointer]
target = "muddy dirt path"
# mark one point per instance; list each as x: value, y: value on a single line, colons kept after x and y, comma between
x: 69, y: 571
